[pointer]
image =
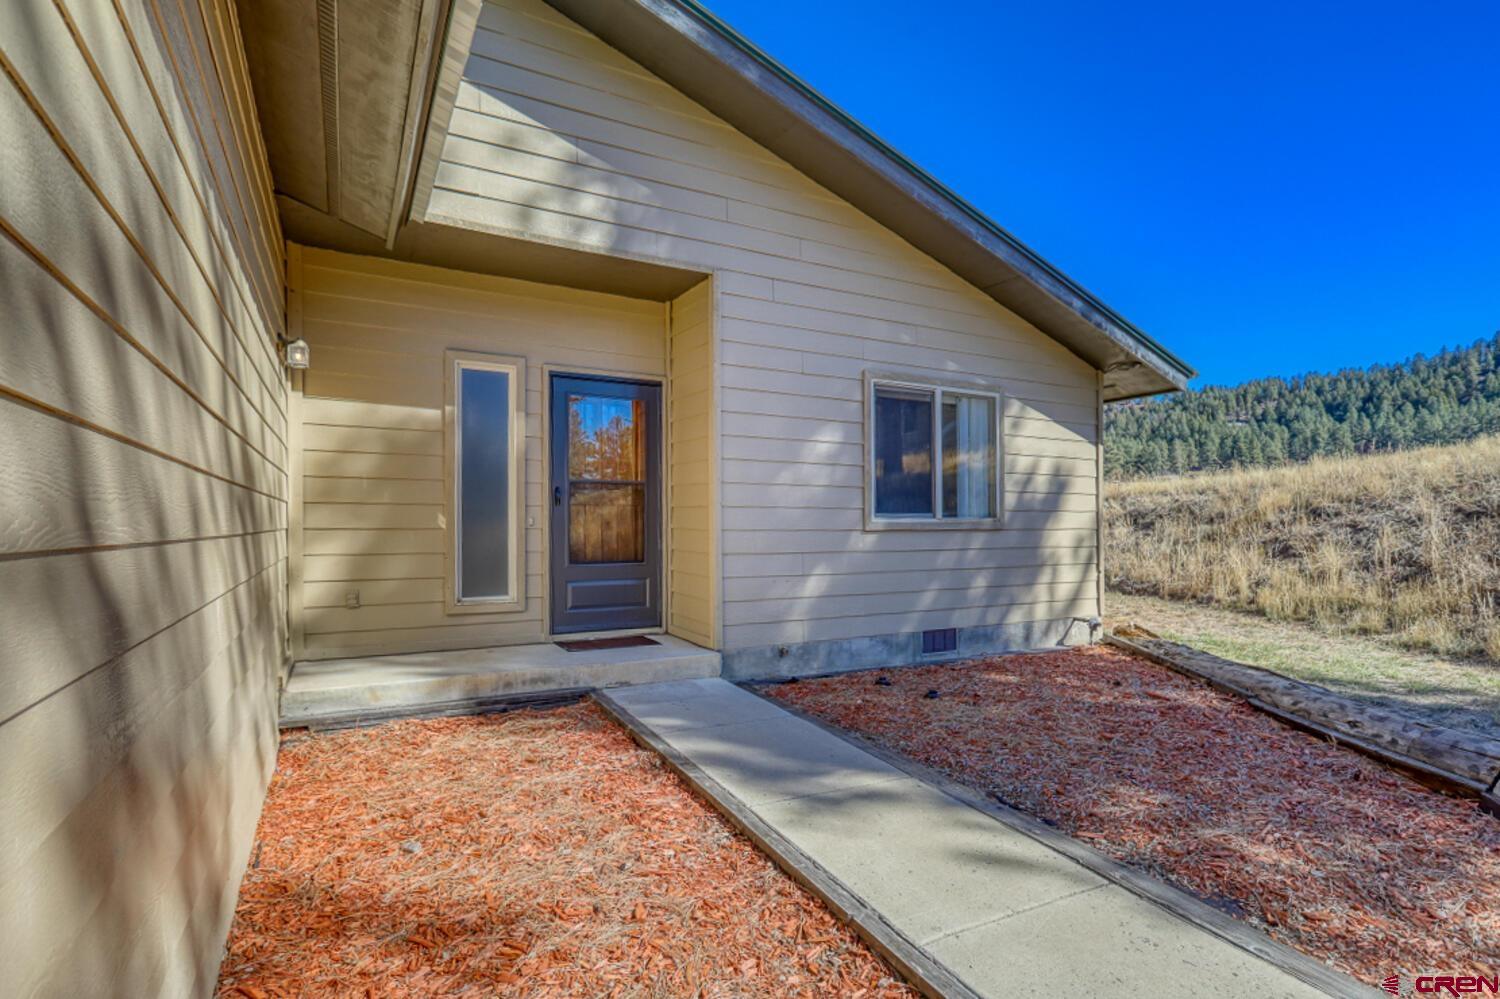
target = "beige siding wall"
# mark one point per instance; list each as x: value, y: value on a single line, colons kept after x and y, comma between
x: 372, y: 436
x: 558, y: 137
x: 692, y: 441
x: 143, y: 511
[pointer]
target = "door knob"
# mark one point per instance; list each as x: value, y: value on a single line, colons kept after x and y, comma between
x: 557, y: 495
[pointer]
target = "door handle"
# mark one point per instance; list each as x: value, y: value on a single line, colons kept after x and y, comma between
x: 557, y: 495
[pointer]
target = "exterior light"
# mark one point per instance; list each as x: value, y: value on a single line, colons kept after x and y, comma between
x: 298, y: 354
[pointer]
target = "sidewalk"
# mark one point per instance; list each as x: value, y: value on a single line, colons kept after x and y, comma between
x: 1003, y: 913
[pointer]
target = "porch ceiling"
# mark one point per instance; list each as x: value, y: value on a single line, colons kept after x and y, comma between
x: 440, y: 245
x: 341, y: 88
x: 345, y: 91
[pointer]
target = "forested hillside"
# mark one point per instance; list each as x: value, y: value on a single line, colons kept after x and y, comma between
x: 1452, y: 397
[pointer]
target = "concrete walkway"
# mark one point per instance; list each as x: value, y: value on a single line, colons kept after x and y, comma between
x: 1004, y: 913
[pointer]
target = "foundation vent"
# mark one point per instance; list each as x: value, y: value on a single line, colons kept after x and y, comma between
x: 939, y: 640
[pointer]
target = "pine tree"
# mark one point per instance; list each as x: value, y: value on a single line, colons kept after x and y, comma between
x: 1450, y: 397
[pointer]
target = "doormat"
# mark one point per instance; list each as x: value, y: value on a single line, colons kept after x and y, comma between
x: 593, y: 644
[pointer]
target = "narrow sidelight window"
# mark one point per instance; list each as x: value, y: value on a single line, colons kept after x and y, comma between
x: 483, y: 457
x: 934, y: 453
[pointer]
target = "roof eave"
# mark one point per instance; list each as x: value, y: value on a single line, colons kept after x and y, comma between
x: 690, y: 48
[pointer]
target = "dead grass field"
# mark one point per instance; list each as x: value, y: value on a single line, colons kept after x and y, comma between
x: 525, y: 854
x: 1327, y: 850
x: 1456, y: 693
x: 1404, y: 544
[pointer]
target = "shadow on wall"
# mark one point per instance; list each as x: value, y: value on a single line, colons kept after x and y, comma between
x: 143, y: 558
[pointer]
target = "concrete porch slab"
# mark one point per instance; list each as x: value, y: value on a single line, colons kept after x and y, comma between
x: 345, y: 691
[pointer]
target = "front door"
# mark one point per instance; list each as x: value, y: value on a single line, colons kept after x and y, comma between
x: 606, y: 504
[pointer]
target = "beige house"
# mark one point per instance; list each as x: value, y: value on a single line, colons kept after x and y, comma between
x: 613, y: 329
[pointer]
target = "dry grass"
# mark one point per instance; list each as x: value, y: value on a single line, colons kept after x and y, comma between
x: 1405, y: 544
x: 1455, y: 693
x: 527, y: 854
x: 1327, y: 850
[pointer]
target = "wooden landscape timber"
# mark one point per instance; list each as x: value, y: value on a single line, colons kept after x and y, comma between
x: 1460, y: 761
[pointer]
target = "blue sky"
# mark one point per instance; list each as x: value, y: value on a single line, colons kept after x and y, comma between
x: 1267, y: 189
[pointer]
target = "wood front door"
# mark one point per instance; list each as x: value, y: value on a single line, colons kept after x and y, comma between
x: 606, y: 557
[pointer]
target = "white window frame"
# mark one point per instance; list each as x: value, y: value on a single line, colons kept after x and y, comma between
x: 456, y: 361
x: 938, y: 387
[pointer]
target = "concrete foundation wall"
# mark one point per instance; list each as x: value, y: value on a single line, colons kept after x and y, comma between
x: 845, y: 655
x: 143, y: 507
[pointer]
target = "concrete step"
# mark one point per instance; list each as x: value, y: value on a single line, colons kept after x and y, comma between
x: 350, y: 691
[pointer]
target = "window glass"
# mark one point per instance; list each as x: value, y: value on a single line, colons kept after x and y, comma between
x: 605, y: 438
x: 903, y: 452
x: 968, y: 456
x: 606, y: 479
x: 934, y: 453
x: 484, y: 528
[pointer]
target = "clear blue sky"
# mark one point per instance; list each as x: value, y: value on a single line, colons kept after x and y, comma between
x: 1266, y: 188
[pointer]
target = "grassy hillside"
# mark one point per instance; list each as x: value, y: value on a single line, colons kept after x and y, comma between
x: 1404, y: 544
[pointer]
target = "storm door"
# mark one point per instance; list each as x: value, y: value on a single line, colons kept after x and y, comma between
x: 606, y: 550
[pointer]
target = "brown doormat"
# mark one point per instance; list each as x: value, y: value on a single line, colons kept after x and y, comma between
x: 592, y: 644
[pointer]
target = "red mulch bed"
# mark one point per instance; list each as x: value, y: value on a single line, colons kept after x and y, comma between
x: 1329, y: 851
x: 526, y: 854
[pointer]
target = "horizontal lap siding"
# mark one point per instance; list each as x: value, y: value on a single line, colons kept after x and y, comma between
x: 373, y: 494
x: 143, y: 429
x: 559, y: 137
x: 692, y: 541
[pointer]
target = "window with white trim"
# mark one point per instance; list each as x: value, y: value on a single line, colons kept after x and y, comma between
x: 934, y: 453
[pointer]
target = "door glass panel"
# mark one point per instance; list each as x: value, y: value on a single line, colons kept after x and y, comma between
x: 606, y: 439
x: 606, y: 523
x: 606, y: 479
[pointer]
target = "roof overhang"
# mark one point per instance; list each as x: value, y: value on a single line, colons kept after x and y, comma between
x: 342, y: 90
x: 354, y: 99
x: 688, y: 47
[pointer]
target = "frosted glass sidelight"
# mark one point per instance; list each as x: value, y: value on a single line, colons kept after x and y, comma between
x: 484, y: 528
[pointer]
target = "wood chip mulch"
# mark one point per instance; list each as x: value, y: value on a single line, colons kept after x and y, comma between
x: 538, y: 853
x: 1330, y: 852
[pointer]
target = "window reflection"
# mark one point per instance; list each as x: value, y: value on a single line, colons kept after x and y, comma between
x: 607, y: 473
x: 605, y: 439
x: 903, y: 452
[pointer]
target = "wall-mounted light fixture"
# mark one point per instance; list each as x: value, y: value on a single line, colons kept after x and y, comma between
x: 298, y: 354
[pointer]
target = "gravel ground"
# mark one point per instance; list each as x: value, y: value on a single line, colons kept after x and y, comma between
x: 1325, y: 849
